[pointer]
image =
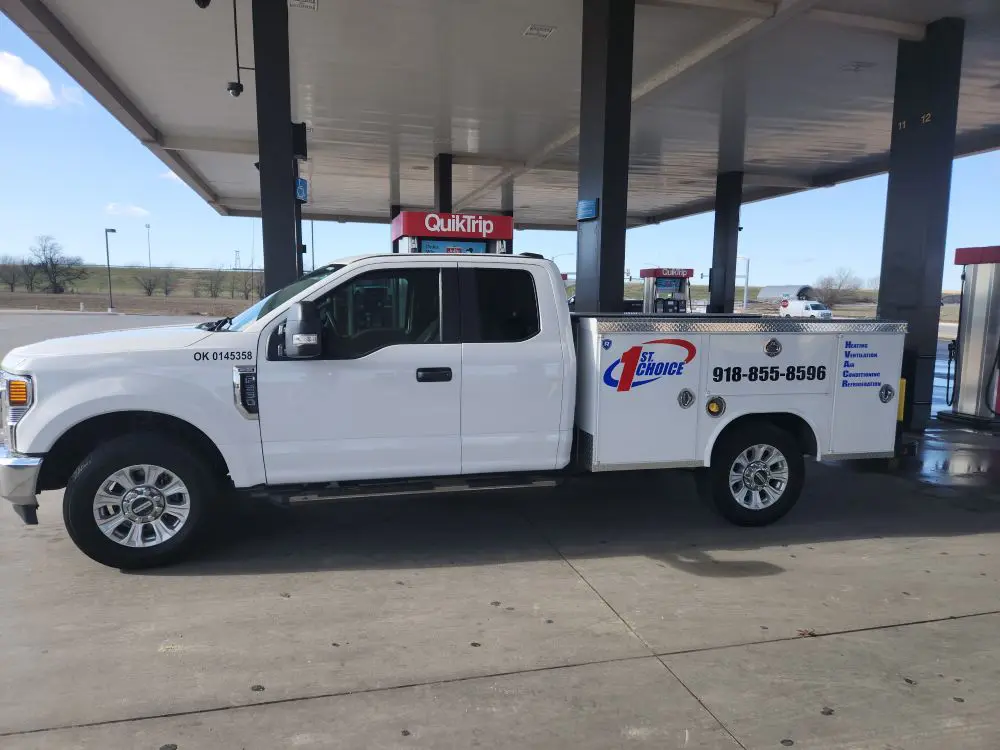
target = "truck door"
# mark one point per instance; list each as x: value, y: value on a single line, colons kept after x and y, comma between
x: 512, y: 369
x: 384, y: 399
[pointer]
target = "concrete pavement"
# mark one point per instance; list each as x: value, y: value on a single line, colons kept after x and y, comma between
x: 20, y: 327
x: 616, y: 612
x: 607, y: 616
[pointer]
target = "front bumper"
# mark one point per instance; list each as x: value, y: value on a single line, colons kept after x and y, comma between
x: 18, y: 480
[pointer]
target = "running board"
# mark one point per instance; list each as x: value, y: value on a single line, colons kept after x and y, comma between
x: 354, y: 490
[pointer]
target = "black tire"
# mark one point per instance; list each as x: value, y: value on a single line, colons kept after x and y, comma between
x: 731, y: 446
x: 117, y: 454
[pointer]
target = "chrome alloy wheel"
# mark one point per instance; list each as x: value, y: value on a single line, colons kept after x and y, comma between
x: 141, y: 506
x: 758, y: 477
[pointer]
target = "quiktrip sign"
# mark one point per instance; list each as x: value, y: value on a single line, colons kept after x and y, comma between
x: 431, y: 224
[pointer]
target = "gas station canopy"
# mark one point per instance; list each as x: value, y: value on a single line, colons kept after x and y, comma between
x: 796, y: 94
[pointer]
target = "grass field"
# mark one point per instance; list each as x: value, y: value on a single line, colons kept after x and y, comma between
x: 238, y: 290
x: 187, y: 281
x: 633, y: 290
x: 126, y: 303
x: 189, y: 294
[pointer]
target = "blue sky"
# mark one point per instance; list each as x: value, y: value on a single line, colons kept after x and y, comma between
x: 68, y: 169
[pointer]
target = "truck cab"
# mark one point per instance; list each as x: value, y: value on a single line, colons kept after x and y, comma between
x: 425, y: 366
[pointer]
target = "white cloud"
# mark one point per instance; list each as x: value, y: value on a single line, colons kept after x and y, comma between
x: 29, y: 87
x: 125, y: 209
x: 25, y: 83
x: 168, y: 175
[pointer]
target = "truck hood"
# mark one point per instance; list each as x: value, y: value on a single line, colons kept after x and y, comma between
x: 111, y: 342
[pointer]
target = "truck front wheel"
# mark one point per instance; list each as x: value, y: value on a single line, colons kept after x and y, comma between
x: 756, y: 474
x: 138, y: 501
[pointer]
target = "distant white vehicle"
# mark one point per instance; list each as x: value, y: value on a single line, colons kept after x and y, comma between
x: 804, y: 308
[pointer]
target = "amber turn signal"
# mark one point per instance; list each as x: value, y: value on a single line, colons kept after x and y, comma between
x: 17, y: 392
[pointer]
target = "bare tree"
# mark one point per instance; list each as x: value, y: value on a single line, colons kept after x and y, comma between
x: 259, y: 283
x: 58, y: 270
x: 148, y: 280
x: 244, y: 284
x: 873, y: 283
x: 10, y: 271
x: 838, y: 288
x: 30, y: 274
x: 168, y: 281
x: 214, y: 281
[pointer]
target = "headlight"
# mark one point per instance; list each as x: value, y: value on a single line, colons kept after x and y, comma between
x: 17, y: 394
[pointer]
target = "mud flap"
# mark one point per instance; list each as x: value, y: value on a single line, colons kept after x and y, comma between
x: 28, y: 513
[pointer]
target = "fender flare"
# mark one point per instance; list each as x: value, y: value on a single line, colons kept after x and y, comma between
x: 723, y: 426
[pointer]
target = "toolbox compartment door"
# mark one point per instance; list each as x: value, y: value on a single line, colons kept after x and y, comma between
x: 642, y: 419
x: 864, y: 423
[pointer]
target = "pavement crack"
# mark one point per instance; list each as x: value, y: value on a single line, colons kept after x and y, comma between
x: 601, y: 596
x: 322, y: 696
x: 701, y: 703
x: 815, y: 635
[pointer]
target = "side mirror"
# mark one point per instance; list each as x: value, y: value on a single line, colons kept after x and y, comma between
x: 303, y: 339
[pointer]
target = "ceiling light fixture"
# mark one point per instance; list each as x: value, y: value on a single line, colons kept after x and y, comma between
x: 538, y: 31
x: 857, y: 66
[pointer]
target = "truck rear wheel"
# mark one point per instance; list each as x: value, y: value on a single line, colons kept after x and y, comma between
x: 756, y: 475
x: 138, y: 501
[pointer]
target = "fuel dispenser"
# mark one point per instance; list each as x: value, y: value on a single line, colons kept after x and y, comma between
x: 976, y: 352
x: 429, y: 232
x: 666, y: 290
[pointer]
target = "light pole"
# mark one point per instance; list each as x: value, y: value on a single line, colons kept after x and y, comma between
x: 107, y: 253
x: 312, y: 241
x: 149, y: 250
x: 746, y: 279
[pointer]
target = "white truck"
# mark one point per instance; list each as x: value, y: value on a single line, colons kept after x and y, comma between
x: 803, y: 308
x: 401, y: 374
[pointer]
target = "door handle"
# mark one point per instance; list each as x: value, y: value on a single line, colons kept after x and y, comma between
x: 434, y: 375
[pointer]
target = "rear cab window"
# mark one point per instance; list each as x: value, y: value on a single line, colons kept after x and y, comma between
x: 499, y: 305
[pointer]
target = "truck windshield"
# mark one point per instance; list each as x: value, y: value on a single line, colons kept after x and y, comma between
x: 273, y: 300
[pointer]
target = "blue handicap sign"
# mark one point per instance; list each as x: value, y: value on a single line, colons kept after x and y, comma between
x: 587, y: 210
x: 302, y: 189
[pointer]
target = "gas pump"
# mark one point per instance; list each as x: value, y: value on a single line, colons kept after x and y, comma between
x: 666, y: 290
x: 975, y: 400
x: 429, y: 232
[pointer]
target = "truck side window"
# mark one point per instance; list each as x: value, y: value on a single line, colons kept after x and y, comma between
x: 379, y: 309
x: 506, y: 303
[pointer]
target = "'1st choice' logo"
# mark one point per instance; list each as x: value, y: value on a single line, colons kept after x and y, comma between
x: 640, y: 365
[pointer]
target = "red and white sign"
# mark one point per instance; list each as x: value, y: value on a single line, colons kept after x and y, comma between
x: 968, y: 256
x: 658, y: 273
x: 784, y: 303
x: 452, y: 226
